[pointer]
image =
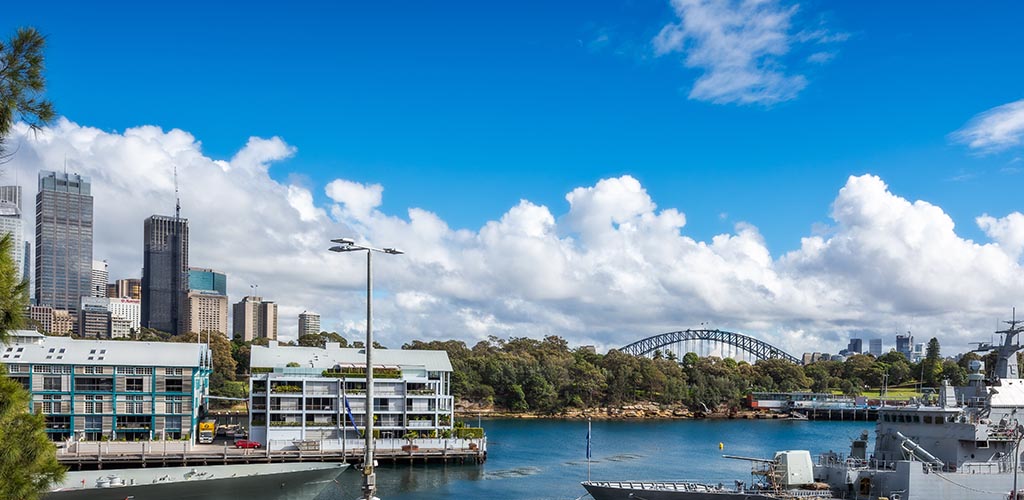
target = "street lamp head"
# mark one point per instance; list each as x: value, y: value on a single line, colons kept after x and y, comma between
x: 393, y: 251
x: 344, y: 241
x: 342, y: 249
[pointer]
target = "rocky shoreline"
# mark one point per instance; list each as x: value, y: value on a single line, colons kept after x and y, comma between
x: 638, y: 411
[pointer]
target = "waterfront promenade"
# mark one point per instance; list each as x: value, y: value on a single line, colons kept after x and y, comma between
x: 97, y: 455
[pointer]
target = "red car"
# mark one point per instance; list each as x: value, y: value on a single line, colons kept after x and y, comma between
x: 245, y: 443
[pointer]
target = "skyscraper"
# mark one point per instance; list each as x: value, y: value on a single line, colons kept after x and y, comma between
x: 309, y: 323
x: 10, y: 223
x: 128, y: 288
x: 856, y: 346
x: 64, y: 225
x: 904, y: 344
x: 100, y: 275
x: 875, y: 347
x: 165, y: 274
x: 255, y: 318
x: 207, y: 280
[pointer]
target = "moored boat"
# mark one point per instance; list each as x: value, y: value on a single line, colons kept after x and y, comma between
x: 283, y: 481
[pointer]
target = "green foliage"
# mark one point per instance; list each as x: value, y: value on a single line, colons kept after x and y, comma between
x: 292, y: 364
x: 469, y: 433
x: 22, y: 83
x: 321, y: 339
x: 13, y: 293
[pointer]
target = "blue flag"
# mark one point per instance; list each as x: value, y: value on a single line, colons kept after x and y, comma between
x: 588, y: 442
x: 351, y: 418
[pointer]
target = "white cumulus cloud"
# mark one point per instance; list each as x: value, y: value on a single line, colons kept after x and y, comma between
x: 612, y: 268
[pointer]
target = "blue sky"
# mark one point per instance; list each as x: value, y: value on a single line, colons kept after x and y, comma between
x: 731, y: 112
x: 464, y: 108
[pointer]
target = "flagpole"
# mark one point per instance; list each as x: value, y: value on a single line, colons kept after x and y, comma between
x: 588, y: 449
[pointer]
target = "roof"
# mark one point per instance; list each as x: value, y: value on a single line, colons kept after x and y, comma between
x: 64, y: 350
x: 317, y: 357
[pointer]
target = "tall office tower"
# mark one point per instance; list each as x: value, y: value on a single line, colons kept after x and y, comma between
x: 207, y: 312
x: 255, y: 318
x: 26, y: 271
x: 904, y: 344
x: 10, y: 223
x: 128, y: 289
x: 165, y: 274
x: 309, y: 323
x: 207, y: 280
x: 875, y: 347
x: 100, y: 275
x: 64, y: 221
x: 856, y: 346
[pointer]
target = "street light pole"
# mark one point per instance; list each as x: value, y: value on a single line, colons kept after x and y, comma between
x: 349, y: 245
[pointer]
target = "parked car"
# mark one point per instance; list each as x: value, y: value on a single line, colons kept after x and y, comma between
x: 245, y: 443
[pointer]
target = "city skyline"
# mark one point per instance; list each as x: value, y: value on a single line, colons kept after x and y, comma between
x: 577, y: 173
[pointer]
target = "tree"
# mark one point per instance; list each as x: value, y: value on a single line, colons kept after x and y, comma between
x: 224, y: 366
x: 28, y: 460
x: 932, y: 364
x: 22, y: 84
x: 13, y: 293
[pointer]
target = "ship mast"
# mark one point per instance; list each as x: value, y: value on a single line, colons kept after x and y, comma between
x: 1006, y: 360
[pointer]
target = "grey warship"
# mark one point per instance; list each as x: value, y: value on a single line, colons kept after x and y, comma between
x: 964, y: 446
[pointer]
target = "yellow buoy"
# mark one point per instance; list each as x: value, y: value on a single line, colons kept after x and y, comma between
x: 721, y: 446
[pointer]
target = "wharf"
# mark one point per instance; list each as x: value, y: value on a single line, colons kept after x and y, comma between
x: 867, y: 414
x: 99, y: 455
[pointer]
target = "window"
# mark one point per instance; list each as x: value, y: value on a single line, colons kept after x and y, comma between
x: 93, y: 423
x: 95, y: 384
x: 173, y: 404
x: 134, y: 404
x: 174, y: 385
x: 133, y: 385
x: 93, y: 403
x: 48, y: 403
x: 173, y: 371
x: 51, y: 383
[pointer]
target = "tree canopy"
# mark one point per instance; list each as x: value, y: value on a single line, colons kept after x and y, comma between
x: 22, y: 83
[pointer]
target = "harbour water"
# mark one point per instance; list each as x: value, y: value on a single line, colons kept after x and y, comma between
x: 546, y: 459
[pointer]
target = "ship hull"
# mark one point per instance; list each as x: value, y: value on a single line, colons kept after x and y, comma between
x: 250, y: 482
x: 601, y: 490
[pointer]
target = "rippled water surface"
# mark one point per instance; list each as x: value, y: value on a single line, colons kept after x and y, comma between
x: 546, y: 459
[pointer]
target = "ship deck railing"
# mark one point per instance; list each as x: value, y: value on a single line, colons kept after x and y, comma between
x: 658, y: 485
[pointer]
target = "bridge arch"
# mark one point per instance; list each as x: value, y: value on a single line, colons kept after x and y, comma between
x: 759, y: 349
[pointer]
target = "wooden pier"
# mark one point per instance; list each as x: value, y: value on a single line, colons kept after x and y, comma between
x: 100, y: 455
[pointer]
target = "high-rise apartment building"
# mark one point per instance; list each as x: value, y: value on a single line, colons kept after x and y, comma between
x: 11, y: 223
x: 127, y: 289
x: 309, y: 323
x: 64, y: 230
x: 207, y: 280
x: 207, y: 312
x: 100, y: 275
x: 165, y: 274
x: 255, y: 318
x: 875, y: 347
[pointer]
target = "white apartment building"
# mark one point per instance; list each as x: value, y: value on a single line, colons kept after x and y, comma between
x: 412, y: 392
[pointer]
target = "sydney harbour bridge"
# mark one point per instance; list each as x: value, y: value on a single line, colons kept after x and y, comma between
x: 708, y: 343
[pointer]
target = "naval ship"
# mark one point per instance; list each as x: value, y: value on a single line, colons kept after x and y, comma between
x: 964, y: 446
x: 283, y: 481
